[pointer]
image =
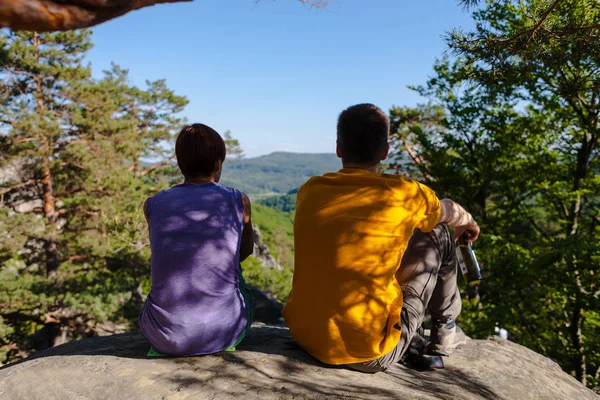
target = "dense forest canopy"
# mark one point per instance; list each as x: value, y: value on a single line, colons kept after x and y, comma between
x: 276, y: 173
x: 510, y: 130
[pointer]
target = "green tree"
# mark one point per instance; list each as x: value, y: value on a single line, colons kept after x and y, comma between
x: 39, y: 77
x: 513, y: 134
x: 84, y: 154
x: 234, y: 149
x: 285, y: 203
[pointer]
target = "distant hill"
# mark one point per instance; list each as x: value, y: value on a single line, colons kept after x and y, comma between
x: 276, y: 173
x: 285, y: 203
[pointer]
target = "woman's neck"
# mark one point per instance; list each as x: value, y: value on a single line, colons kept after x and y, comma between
x: 200, y: 180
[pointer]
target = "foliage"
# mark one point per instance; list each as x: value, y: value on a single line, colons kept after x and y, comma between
x: 277, y: 232
x: 277, y: 229
x: 285, y: 203
x: 73, y: 250
x: 512, y: 134
x: 234, y: 149
x: 276, y: 173
x: 279, y: 283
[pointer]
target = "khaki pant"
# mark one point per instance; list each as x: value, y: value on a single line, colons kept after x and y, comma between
x: 427, y: 276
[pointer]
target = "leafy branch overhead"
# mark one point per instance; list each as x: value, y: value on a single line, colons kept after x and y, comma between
x: 55, y: 15
x: 511, y: 39
x: 512, y: 133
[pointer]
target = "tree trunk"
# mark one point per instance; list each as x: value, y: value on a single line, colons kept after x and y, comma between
x: 579, y: 360
x: 577, y: 320
x: 48, y: 199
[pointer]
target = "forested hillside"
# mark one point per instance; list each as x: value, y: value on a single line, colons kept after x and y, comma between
x: 276, y: 173
x: 285, y: 202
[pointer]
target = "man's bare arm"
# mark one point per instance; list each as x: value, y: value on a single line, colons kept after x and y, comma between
x: 458, y: 218
x: 247, y: 246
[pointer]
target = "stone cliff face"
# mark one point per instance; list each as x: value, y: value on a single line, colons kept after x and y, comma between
x: 269, y: 365
x: 262, y: 253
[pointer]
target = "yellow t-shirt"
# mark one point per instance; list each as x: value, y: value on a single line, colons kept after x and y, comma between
x: 350, y: 232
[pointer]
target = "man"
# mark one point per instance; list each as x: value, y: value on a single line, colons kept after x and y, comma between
x: 373, y: 252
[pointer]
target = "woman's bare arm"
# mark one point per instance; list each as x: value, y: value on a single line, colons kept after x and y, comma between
x: 146, y: 216
x: 247, y: 246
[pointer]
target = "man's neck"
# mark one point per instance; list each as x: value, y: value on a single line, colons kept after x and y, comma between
x: 370, y: 168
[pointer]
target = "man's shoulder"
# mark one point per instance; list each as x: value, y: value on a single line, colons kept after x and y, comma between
x: 394, y: 181
x: 315, y: 180
x: 398, y: 178
x: 374, y: 179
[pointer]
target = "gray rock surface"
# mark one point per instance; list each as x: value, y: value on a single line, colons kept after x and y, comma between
x: 261, y: 251
x: 269, y: 365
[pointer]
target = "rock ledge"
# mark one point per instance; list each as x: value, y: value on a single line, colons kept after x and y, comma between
x: 269, y: 365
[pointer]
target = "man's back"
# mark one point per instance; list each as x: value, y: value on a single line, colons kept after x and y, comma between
x: 351, y: 230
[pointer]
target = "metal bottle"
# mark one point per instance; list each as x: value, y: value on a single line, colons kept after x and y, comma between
x: 467, y: 261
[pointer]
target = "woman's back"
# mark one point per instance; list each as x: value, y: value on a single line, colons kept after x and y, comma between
x: 195, y: 305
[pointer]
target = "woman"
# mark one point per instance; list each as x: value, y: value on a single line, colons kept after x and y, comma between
x: 200, y: 231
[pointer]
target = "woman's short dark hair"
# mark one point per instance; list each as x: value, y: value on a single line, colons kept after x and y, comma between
x: 198, y: 149
x: 362, y: 134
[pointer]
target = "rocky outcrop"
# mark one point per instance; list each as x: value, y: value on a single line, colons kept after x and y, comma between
x: 269, y: 365
x: 15, y: 170
x: 262, y: 253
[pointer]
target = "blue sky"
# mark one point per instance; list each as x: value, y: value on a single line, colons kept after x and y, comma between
x: 277, y: 73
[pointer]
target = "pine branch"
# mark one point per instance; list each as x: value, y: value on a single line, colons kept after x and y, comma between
x: 577, y: 29
x: 156, y: 166
x: 467, y: 4
x: 315, y: 3
x: 25, y: 140
x: 76, y: 258
x: 69, y: 192
x: 312, y: 3
x: 502, y: 43
x: 18, y: 186
x: 543, y: 19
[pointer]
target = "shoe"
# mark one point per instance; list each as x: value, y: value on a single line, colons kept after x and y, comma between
x: 445, y: 338
x: 423, y: 363
x: 415, y: 357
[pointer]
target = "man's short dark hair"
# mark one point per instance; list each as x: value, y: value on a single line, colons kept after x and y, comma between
x: 198, y: 149
x: 362, y: 134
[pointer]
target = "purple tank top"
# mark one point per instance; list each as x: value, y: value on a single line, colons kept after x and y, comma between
x: 195, y: 305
